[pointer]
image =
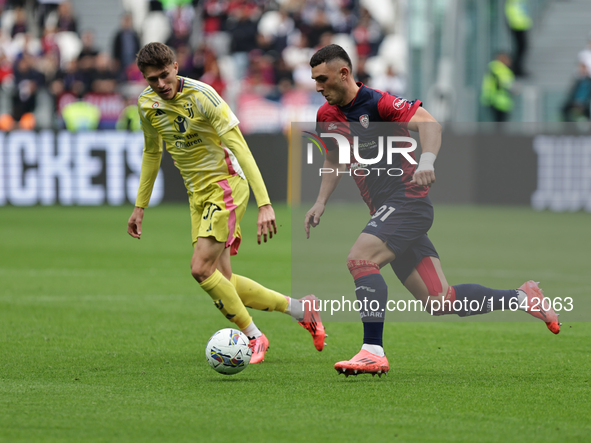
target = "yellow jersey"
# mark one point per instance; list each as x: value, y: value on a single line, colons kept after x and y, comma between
x: 193, y: 125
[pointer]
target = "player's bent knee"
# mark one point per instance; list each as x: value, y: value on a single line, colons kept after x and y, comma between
x: 201, y: 271
x: 352, y: 256
x: 357, y: 252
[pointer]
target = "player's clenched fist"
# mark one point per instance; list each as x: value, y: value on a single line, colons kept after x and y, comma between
x: 425, y: 172
x: 423, y: 178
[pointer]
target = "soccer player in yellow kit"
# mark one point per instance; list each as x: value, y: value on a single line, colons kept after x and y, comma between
x: 201, y: 134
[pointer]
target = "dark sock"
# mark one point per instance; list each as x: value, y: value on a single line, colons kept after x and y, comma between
x: 372, y: 292
x: 477, y: 299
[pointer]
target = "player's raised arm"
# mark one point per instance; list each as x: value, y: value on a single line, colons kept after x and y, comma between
x: 330, y: 180
x: 430, y: 134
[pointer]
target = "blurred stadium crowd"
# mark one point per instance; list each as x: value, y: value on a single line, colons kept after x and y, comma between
x: 255, y: 53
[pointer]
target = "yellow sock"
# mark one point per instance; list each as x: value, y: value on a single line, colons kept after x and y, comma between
x: 257, y: 296
x: 226, y: 299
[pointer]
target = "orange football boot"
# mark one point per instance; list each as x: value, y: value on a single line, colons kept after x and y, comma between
x: 537, y: 304
x: 259, y: 346
x: 363, y: 363
x: 312, y: 322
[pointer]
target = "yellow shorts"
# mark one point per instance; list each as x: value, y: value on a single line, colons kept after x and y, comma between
x: 216, y: 211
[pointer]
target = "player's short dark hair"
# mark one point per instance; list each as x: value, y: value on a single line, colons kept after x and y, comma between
x: 330, y: 53
x: 155, y: 54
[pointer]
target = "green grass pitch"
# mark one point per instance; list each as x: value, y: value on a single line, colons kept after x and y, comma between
x: 102, y: 338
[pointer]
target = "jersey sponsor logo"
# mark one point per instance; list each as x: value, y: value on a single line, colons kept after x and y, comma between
x: 190, y: 140
x: 189, y: 108
x: 155, y: 105
x: 399, y: 103
x: 180, y: 123
x: 364, y: 120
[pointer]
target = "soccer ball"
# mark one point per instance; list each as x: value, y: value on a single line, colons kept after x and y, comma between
x: 227, y: 351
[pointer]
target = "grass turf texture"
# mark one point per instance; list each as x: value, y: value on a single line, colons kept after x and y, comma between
x: 102, y: 339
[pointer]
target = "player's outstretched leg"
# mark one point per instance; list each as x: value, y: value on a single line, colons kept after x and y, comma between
x: 528, y: 298
x: 228, y: 302
x: 311, y: 320
x: 540, y: 306
x: 428, y: 284
x: 208, y: 254
x: 256, y: 296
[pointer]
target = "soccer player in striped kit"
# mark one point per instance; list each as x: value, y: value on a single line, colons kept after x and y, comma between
x: 400, y: 208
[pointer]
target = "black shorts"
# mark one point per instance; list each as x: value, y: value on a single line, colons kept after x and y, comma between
x: 402, y: 223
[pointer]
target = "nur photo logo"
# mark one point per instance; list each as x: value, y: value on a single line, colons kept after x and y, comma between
x: 381, y: 146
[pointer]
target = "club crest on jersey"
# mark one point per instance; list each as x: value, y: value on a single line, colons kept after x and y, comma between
x: 399, y: 103
x: 180, y: 123
x: 364, y: 120
x: 189, y: 108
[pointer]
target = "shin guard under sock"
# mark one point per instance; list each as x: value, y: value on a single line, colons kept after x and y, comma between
x: 371, y: 290
x: 226, y: 299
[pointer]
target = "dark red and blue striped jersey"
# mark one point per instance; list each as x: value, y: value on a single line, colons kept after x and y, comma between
x: 366, y: 117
